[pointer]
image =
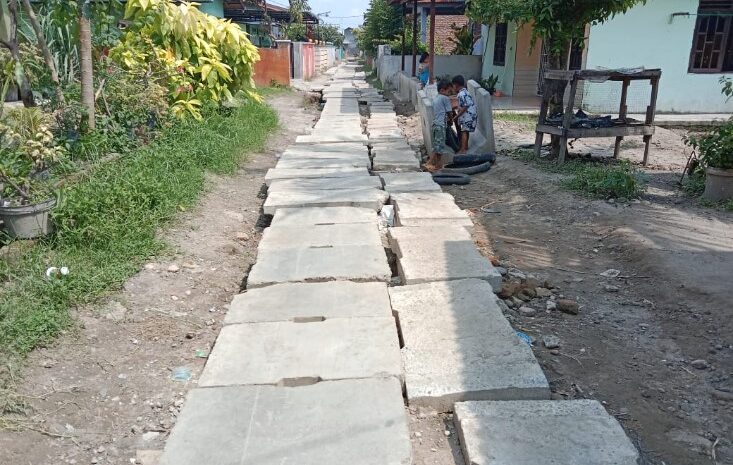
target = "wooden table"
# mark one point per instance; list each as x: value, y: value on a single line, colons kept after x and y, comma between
x: 565, y: 131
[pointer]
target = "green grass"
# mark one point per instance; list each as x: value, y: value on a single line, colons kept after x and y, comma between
x: 107, y: 222
x: 524, y: 118
x: 618, y: 180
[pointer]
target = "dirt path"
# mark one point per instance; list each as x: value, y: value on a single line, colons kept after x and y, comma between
x: 105, y: 393
x: 634, y: 341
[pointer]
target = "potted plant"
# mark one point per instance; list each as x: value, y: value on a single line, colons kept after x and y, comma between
x: 715, y: 150
x: 27, y: 150
x: 490, y: 83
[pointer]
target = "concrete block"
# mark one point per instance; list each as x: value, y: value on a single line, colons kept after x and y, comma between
x: 289, y: 354
x: 319, y: 215
x: 426, y: 205
x: 310, y: 302
x: 409, y: 182
x: 441, y: 259
x: 280, y: 236
x: 363, y: 198
x: 458, y: 346
x: 430, y: 233
x: 324, y: 162
x: 573, y: 432
x: 321, y: 138
x: 356, y: 182
x: 292, y: 173
x: 355, y: 422
x: 315, y: 264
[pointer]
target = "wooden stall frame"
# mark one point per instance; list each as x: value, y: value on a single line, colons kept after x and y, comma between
x: 565, y: 132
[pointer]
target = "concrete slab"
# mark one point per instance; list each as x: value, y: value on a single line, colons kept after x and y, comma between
x: 395, y: 183
x: 357, y: 182
x: 319, y: 139
x: 280, y: 236
x: 431, y: 233
x: 294, y: 173
x: 426, y: 206
x: 303, y: 162
x: 458, y: 346
x: 289, y: 354
x: 320, y: 424
x: 440, y: 259
x: 357, y: 148
x: 316, y: 264
x: 573, y: 432
x: 362, y: 198
x: 299, y: 302
x: 318, y: 215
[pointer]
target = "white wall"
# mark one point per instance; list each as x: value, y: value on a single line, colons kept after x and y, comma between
x: 467, y: 65
x: 648, y: 36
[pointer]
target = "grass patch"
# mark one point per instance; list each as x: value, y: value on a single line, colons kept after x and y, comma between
x: 524, y: 118
x: 593, y: 178
x: 107, y: 221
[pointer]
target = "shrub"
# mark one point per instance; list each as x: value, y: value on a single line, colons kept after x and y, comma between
x: 197, y: 57
x: 715, y: 147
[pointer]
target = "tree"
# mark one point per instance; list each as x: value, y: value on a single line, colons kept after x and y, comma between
x: 87, y: 71
x: 41, y: 39
x: 329, y: 33
x: 558, y: 23
x: 9, y: 12
x: 382, y: 24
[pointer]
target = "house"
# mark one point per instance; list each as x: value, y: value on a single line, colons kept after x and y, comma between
x: 690, y: 40
x: 350, y: 43
x: 251, y: 18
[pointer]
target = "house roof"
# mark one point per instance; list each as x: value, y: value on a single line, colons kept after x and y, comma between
x: 252, y: 14
x: 442, y: 7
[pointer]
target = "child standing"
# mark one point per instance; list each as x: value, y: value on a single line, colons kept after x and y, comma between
x: 442, y: 109
x: 466, y: 113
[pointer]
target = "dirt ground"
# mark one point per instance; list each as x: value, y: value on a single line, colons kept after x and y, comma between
x: 106, y: 393
x: 634, y: 341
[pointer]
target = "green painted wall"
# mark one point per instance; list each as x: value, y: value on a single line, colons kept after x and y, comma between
x: 214, y: 8
x: 648, y: 36
x: 506, y: 72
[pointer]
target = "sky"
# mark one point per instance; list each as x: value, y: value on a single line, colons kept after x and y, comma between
x: 343, y: 13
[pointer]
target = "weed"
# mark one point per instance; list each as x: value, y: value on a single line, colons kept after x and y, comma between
x: 107, y: 222
x: 604, y: 181
x: 596, y: 179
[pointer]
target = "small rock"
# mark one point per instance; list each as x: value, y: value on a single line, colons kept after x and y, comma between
x: 700, y: 364
x: 527, y: 294
x: 189, y: 266
x: 447, y: 433
x: 542, y: 292
x: 150, y: 266
x: 550, y: 306
x: 174, y: 269
x: 568, y: 306
x: 502, y: 271
x: 48, y: 363
x: 610, y: 288
x: 190, y: 335
x: 527, y: 311
x: 515, y: 273
x: 611, y: 273
x: 94, y: 460
x: 418, y: 434
x: 509, y: 303
x: 555, y: 352
x: 242, y: 236
x: 551, y: 342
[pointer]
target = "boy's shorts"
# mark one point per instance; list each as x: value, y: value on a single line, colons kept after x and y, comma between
x: 438, y: 139
x: 468, y: 126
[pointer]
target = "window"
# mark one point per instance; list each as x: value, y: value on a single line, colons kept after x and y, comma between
x: 712, y: 47
x: 500, y: 44
x: 576, y: 56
